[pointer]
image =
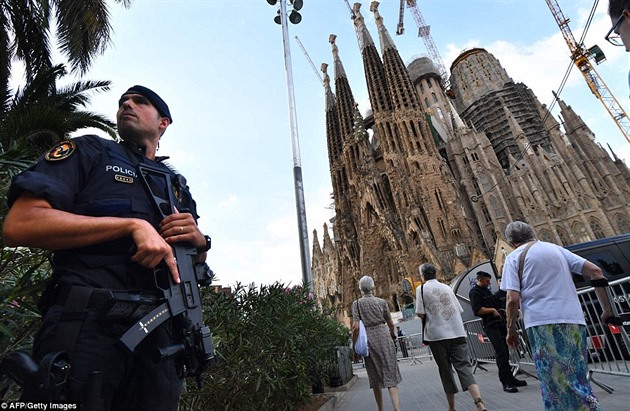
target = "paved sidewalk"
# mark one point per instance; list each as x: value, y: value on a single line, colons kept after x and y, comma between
x: 421, y: 390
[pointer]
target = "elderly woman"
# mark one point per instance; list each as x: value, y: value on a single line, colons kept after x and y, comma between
x: 381, y: 364
x: 537, y: 277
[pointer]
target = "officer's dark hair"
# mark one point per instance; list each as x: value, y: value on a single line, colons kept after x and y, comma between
x: 616, y: 7
x: 483, y: 274
x: 428, y: 271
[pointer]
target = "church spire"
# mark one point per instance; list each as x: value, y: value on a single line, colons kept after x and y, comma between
x: 401, y: 90
x: 333, y: 135
x: 373, y: 66
x: 345, y: 99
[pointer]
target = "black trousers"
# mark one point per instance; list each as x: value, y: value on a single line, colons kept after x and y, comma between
x: 497, y: 333
x: 131, y: 381
x: 403, y: 347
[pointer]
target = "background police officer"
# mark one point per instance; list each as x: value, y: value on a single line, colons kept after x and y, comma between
x: 84, y: 201
x: 485, y: 305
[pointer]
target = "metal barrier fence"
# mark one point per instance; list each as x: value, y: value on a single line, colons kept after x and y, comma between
x: 608, y: 345
x: 414, y: 348
x: 482, y: 352
x: 479, y: 346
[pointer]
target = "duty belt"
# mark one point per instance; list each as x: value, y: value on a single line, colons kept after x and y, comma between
x: 108, y: 304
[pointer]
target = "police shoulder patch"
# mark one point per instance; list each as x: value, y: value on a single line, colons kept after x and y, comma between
x: 61, y: 150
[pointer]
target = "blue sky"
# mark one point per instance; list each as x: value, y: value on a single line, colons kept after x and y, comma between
x: 219, y: 65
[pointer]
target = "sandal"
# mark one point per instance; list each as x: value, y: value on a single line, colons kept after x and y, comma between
x: 480, y: 401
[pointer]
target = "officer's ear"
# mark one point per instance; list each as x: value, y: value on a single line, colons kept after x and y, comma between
x: 164, y: 123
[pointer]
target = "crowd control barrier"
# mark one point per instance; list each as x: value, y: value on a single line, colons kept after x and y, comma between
x: 608, y: 345
x: 415, y: 349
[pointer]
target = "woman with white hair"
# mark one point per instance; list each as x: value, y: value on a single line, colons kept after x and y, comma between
x: 537, y: 277
x: 381, y: 365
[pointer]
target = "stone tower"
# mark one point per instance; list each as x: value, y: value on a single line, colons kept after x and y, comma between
x: 482, y: 90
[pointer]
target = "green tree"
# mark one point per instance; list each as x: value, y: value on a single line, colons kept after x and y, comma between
x: 41, y: 114
x: 82, y: 31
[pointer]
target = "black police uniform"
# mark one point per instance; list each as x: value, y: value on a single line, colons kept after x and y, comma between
x: 496, y: 330
x: 93, y: 176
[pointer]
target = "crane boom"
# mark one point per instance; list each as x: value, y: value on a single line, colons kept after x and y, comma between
x: 352, y: 15
x: 309, y: 60
x: 400, y: 29
x: 580, y: 57
x: 424, y: 31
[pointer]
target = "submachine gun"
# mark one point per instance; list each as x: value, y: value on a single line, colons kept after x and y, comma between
x: 193, y: 349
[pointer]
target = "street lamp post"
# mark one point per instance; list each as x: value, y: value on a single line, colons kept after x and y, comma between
x: 281, y: 19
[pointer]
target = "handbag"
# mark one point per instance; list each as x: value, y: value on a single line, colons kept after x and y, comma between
x: 361, y: 344
x: 424, y: 319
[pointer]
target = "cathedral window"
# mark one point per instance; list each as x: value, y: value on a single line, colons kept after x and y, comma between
x: 421, y: 87
x: 413, y: 129
x: 485, y: 212
x: 485, y: 182
x: 418, y: 223
x: 564, y: 238
x: 415, y: 237
x: 623, y: 223
x: 476, y: 186
x: 426, y: 102
x: 597, y: 228
x: 438, y: 197
x: 429, y: 82
x: 442, y: 227
x: 496, y: 208
x: 580, y: 232
x: 435, y: 100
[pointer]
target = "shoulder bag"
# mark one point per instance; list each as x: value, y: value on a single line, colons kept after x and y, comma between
x: 361, y: 345
x: 521, y: 263
x: 424, y: 319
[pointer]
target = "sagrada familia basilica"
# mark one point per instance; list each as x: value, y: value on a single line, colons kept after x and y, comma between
x: 431, y: 177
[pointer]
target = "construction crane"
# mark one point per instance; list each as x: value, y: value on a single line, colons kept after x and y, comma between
x: 581, y: 58
x: 424, y: 31
x: 309, y: 60
x: 352, y: 15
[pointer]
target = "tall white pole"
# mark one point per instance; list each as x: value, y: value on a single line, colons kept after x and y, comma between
x: 305, y: 253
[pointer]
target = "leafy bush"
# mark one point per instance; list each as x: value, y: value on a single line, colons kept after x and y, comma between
x: 274, y: 346
x: 23, y: 275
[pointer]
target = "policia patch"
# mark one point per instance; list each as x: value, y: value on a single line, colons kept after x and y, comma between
x: 60, y: 151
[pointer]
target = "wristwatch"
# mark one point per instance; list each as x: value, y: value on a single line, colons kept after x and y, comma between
x: 208, y: 245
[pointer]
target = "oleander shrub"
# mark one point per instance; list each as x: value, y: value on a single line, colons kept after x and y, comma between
x: 274, y: 348
x: 24, y: 273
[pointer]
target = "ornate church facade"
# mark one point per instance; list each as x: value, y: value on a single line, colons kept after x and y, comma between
x: 426, y: 177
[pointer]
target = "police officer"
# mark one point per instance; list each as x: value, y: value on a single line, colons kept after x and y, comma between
x: 84, y: 201
x: 485, y: 305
